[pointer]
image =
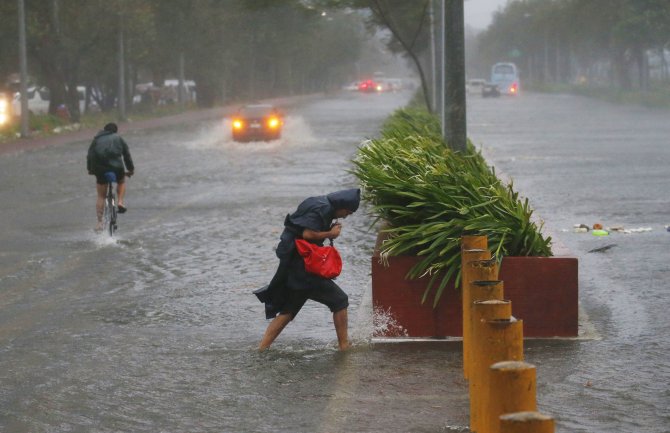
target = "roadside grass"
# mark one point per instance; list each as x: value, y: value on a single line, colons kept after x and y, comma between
x: 657, y: 97
x: 47, y: 124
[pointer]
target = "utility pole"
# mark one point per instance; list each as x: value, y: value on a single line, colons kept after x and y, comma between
x: 122, y: 74
x: 455, y: 133
x: 181, y: 87
x: 23, y: 69
x: 442, y: 69
x: 433, y: 63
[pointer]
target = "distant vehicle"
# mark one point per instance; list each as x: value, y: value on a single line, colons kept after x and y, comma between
x: 5, y: 109
x: 390, y: 84
x: 490, y: 90
x: 352, y: 87
x: 475, y: 85
x: 38, y: 101
x: 257, y: 122
x: 369, y: 86
x: 506, y: 76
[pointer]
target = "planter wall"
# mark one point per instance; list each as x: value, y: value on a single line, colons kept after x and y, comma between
x: 543, y: 291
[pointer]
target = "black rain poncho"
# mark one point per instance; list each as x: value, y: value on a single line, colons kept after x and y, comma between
x: 314, y: 213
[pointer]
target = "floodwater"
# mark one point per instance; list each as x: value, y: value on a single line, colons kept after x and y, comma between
x: 156, y: 330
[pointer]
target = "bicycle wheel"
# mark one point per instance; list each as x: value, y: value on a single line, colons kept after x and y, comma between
x: 109, y: 213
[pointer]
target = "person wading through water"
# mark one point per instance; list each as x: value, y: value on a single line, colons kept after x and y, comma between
x: 291, y: 285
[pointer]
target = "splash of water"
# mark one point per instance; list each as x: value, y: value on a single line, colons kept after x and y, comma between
x: 296, y: 132
x: 385, y: 324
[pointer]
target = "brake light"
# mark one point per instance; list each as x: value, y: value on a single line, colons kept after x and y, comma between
x: 238, y: 124
x: 513, y: 88
x: 273, y: 122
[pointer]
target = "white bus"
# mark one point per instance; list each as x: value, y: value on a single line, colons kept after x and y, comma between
x: 506, y: 77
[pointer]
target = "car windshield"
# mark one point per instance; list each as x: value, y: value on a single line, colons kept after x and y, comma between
x: 257, y: 110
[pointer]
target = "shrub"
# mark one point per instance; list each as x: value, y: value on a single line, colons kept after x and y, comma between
x: 430, y: 196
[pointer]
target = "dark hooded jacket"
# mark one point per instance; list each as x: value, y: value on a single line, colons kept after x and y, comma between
x: 108, y: 152
x: 314, y: 213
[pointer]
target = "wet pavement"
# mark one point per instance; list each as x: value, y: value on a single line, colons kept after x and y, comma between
x: 156, y: 330
x: 581, y: 161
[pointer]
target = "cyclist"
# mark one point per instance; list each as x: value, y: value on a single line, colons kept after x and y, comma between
x: 109, y: 152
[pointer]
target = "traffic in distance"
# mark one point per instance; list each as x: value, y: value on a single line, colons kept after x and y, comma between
x: 378, y: 83
x: 504, y: 81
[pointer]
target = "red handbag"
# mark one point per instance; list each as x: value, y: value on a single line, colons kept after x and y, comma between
x: 322, y: 261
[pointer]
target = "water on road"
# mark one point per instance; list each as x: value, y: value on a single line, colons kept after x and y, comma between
x: 156, y: 330
x: 582, y: 161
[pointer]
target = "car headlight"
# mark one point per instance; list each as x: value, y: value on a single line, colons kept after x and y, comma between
x: 238, y: 124
x: 4, y: 107
x: 273, y: 123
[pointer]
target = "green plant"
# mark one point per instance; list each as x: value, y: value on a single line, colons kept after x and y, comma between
x: 430, y: 196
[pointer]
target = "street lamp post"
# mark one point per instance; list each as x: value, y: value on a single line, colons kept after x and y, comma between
x: 122, y: 73
x: 455, y: 133
x: 23, y: 68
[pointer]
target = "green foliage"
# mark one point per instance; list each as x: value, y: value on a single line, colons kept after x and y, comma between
x: 233, y: 49
x: 551, y: 38
x: 430, y: 196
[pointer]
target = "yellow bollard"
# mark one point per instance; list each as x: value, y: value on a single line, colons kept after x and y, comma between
x: 474, y: 242
x: 526, y: 422
x: 475, y: 265
x: 495, y: 337
x: 480, y: 290
x: 512, y: 389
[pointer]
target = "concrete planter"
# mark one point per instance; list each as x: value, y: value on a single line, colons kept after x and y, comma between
x: 543, y: 291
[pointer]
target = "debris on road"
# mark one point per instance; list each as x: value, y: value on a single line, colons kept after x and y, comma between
x: 638, y: 230
x: 598, y: 229
x: 581, y: 228
x: 602, y: 249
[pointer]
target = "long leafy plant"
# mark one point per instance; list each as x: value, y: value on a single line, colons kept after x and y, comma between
x: 429, y: 196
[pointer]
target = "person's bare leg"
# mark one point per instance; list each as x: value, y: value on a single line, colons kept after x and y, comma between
x: 274, y: 329
x: 340, y: 319
x: 121, y: 192
x: 100, y: 203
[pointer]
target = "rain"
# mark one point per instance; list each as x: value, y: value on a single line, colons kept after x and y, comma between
x: 156, y: 328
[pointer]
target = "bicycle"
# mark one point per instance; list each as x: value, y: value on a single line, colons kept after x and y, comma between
x: 111, y: 209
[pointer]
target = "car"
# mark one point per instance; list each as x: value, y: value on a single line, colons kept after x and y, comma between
x: 257, y: 122
x: 369, y: 86
x: 474, y: 85
x: 490, y: 90
x: 351, y: 87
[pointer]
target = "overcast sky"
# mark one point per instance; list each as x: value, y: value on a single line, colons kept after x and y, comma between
x: 478, y: 13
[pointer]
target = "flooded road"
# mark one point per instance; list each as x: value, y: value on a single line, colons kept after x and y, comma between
x: 582, y: 161
x: 156, y: 331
